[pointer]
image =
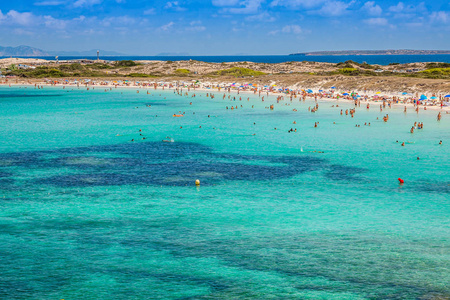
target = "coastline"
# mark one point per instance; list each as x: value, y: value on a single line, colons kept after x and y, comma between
x: 332, y: 96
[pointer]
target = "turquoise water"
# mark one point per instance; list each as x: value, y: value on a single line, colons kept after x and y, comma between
x: 88, y: 214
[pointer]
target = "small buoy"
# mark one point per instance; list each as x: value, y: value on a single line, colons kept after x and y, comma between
x: 401, y: 181
x: 197, y: 182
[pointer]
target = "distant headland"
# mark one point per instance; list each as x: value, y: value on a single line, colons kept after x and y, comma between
x: 27, y: 51
x: 374, y: 52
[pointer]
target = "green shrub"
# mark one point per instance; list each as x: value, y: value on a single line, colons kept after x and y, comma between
x: 182, y: 72
x: 365, y: 65
x: 100, y: 66
x: 71, y: 67
x: 437, y: 73
x: 349, y: 71
x: 125, y: 63
x: 140, y: 75
x: 437, y: 65
x: 239, y: 72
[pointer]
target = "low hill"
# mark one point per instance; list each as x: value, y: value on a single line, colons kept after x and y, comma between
x: 22, y: 51
x: 375, y: 52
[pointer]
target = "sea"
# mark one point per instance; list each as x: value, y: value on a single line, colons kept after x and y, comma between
x: 98, y: 197
x: 370, y: 59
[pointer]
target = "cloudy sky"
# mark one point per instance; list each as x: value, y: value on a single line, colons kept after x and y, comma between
x: 225, y: 27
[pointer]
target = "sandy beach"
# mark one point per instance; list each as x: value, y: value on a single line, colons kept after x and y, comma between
x: 417, y: 101
x: 291, y: 79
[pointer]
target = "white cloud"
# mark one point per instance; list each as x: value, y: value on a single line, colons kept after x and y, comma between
x: 440, y: 17
x: 403, y: 11
x: 167, y: 26
x: 118, y: 21
x: 262, y: 17
x: 174, y: 5
x: 297, y: 3
x: 377, y: 22
x: 51, y: 22
x: 196, y: 26
x: 334, y: 8
x: 225, y: 2
x: 49, y: 3
x: 23, y: 19
x: 81, y: 3
x: 21, y: 31
x: 372, y: 8
x: 294, y: 29
x: 408, y: 9
x: 150, y: 11
x: 30, y: 21
x: 245, y: 7
x: 397, y: 8
x: 330, y: 8
x: 80, y: 18
x: 414, y: 25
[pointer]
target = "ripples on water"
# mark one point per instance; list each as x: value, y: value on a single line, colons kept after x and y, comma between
x: 125, y: 221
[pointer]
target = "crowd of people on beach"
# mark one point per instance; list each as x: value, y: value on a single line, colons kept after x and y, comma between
x: 187, y: 89
x: 333, y: 93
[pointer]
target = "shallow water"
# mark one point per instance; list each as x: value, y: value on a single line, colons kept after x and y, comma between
x: 86, y: 213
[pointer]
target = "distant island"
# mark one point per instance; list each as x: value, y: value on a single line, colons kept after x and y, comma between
x: 374, y: 52
x: 27, y: 51
x: 22, y: 51
x: 173, y: 54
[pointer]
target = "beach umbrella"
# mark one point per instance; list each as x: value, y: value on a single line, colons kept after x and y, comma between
x: 447, y: 96
x: 404, y: 93
x: 423, y: 97
x: 320, y: 91
x: 378, y: 93
x: 309, y: 91
x: 345, y: 94
x: 433, y: 98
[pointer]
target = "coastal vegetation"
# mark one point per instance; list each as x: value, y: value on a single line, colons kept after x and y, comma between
x: 238, y: 72
x: 71, y: 70
x: 437, y: 73
x: 197, y: 69
x: 141, y: 75
x: 125, y: 63
x: 182, y: 72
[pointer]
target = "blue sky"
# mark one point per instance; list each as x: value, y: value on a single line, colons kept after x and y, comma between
x: 225, y: 27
